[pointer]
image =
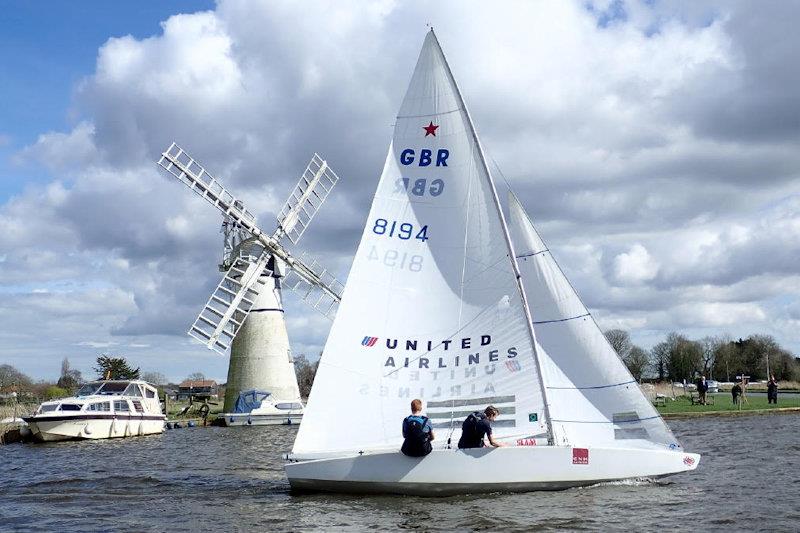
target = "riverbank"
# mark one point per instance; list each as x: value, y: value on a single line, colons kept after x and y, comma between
x: 682, y: 407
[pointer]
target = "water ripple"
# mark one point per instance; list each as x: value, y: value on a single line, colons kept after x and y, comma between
x: 232, y: 479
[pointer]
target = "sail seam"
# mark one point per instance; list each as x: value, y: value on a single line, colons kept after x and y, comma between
x: 562, y: 319
x: 595, y: 386
x: 605, y: 421
x: 458, y: 109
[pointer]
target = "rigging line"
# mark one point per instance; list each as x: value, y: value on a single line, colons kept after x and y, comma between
x: 562, y: 319
x: 595, y: 386
x: 606, y: 421
x: 531, y: 254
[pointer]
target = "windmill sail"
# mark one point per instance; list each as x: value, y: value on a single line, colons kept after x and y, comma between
x: 593, y: 397
x: 432, y: 308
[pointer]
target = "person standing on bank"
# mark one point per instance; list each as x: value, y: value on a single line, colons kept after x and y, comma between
x: 736, y: 393
x: 417, y: 432
x: 476, y: 426
x: 702, y: 388
x: 772, y: 391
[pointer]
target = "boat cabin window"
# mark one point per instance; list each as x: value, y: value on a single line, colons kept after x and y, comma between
x: 48, y: 408
x: 99, y: 406
x: 138, y: 406
x: 133, y: 390
x: 70, y: 407
x: 288, y: 406
x: 121, y: 406
x: 113, y: 388
x: 150, y: 393
x: 88, y: 389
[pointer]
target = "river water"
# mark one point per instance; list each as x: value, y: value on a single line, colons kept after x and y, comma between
x: 231, y: 479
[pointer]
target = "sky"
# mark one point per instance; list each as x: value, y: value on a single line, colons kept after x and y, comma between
x: 653, y: 143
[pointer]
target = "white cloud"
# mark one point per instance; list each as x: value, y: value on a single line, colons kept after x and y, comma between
x: 623, y: 137
x: 635, y: 265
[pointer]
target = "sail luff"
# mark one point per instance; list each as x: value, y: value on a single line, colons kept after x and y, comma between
x: 511, y: 254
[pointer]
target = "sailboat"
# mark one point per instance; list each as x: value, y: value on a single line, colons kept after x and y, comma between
x: 449, y: 302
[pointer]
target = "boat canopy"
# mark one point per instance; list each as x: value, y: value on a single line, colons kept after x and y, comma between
x: 249, y: 400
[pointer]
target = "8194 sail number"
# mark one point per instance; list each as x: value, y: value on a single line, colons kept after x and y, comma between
x: 402, y: 230
x: 395, y: 259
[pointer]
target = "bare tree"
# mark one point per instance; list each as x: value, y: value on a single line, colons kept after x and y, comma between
x: 620, y: 340
x: 196, y: 376
x: 709, y: 346
x: 637, y: 361
x: 70, y: 378
x: 305, y: 371
x: 13, y: 379
x: 156, y: 378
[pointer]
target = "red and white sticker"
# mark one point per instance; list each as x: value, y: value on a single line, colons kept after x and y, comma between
x: 688, y: 460
x: 526, y: 442
x: 580, y: 456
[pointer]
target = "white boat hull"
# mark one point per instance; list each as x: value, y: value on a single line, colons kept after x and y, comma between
x: 49, y: 429
x: 512, y: 469
x: 249, y: 419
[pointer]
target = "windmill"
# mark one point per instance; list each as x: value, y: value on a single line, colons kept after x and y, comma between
x: 245, y: 311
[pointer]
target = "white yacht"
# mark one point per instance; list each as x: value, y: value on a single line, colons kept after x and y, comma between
x: 259, y: 408
x: 100, y: 410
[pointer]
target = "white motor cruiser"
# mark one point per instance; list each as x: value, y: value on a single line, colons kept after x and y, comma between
x: 259, y: 408
x: 100, y: 410
x: 449, y: 302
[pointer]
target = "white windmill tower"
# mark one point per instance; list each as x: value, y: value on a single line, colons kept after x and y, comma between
x: 245, y: 311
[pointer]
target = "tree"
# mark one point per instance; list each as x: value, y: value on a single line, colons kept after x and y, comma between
x: 709, y: 347
x: 726, y: 358
x: 156, y: 378
x: 305, y: 372
x: 677, y: 357
x: 53, y: 392
x: 70, y: 378
x: 13, y: 379
x: 115, y: 367
x: 196, y: 376
x: 620, y: 340
x: 637, y: 361
x: 660, y: 355
x: 685, y: 357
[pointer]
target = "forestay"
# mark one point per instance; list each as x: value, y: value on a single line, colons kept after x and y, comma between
x: 593, y: 398
x: 432, y: 308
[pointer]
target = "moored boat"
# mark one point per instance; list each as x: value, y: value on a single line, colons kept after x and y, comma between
x: 259, y: 408
x: 100, y: 410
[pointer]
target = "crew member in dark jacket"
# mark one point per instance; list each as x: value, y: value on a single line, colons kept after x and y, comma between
x: 476, y: 426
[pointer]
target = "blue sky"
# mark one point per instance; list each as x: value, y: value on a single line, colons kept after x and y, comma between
x: 46, y: 48
x: 660, y: 166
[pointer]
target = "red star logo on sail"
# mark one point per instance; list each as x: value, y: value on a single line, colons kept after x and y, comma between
x: 430, y: 129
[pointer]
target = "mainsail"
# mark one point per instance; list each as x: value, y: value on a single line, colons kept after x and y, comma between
x: 593, y: 397
x: 432, y: 308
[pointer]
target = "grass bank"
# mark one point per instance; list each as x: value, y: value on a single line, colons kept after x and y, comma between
x: 723, y: 405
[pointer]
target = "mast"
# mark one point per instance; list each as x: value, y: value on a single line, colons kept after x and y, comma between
x: 509, y: 244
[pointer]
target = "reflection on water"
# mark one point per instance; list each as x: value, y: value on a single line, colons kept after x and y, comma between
x: 232, y: 479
